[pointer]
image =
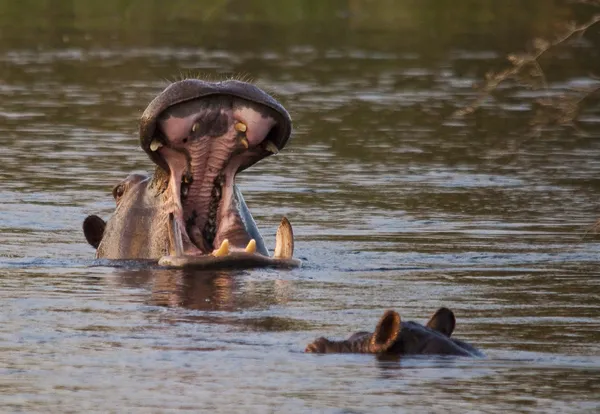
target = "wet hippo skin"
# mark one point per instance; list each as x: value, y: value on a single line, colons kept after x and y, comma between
x: 394, y: 337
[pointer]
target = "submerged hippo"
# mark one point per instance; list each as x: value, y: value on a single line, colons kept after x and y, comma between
x: 190, y: 211
x: 394, y: 337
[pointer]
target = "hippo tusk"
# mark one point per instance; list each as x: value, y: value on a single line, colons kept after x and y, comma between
x: 175, y: 236
x: 284, y: 240
x: 240, y: 127
x: 223, y: 250
x: 155, y: 145
x: 271, y: 147
x: 251, y: 247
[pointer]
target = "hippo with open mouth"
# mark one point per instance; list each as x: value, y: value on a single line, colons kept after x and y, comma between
x: 190, y: 213
x: 394, y: 337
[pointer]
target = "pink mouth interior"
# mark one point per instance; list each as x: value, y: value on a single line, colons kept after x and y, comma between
x: 204, y: 152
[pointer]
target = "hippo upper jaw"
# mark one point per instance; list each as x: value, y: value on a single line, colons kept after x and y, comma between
x: 196, y: 89
x: 201, y: 135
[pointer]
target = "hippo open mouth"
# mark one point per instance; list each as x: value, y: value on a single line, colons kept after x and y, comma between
x: 201, y: 134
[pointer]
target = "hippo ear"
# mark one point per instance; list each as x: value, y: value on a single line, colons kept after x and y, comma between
x: 93, y: 229
x: 443, y: 321
x: 387, y: 332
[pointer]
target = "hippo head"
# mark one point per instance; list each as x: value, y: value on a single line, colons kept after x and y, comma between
x: 200, y: 135
x: 94, y: 226
x: 190, y: 213
x: 392, y: 336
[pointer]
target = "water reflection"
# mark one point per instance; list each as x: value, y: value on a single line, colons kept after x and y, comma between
x: 206, y: 290
x: 200, y: 291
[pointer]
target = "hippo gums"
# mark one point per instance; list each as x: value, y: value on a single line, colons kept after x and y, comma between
x: 394, y: 337
x: 190, y: 212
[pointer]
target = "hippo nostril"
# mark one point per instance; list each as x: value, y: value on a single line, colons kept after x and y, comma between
x: 185, y: 140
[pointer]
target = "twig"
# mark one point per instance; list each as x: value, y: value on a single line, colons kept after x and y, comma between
x: 542, y: 46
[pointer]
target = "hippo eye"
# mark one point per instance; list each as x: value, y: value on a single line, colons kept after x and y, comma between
x: 118, y: 191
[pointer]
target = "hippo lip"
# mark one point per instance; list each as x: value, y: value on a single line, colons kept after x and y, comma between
x: 202, y: 134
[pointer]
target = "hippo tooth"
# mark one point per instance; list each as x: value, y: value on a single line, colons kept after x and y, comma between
x: 175, y: 236
x: 244, y: 142
x: 240, y: 127
x: 284, y: 240
x: 223, y: 250
x: 187, y: 178
x: 269, y: 146
x: 251, y: 248
x: 155, y: 144
x: 195, y: 127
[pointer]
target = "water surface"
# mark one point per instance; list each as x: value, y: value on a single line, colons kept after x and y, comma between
x: 395, y: 204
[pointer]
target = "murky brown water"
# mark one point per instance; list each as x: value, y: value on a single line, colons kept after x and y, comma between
x: 394, y: 205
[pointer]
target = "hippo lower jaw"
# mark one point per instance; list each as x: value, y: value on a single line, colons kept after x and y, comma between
x: 222, y: 258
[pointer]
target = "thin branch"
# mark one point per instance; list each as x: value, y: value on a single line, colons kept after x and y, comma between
x: 519, y: 62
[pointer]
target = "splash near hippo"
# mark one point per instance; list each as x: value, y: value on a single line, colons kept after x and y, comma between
x: 190, y: 212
